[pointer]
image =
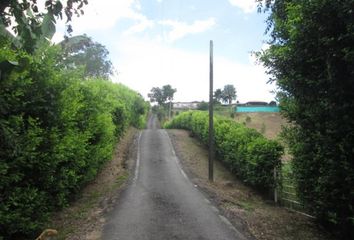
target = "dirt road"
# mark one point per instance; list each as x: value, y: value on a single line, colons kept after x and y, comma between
x: 161, y: 202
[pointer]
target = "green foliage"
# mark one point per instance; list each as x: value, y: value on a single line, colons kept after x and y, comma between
x: 245, y: 151
x: 218, y: 95
x: 168, y: 92
x: 248, y: 119
x: 228, y: 94
x: 156, y: 95
x: 203, y: 106
x: 311, y: 58
x: 32, y: 26
x: 56, y: 132
x: 82, y: 51
x: 160, y: 112
x: 263, y: 128
x: 161, y: 95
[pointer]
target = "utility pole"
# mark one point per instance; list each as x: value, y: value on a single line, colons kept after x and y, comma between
x: 211, y: 117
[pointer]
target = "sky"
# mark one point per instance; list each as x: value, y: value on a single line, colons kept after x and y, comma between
x: 157, y: 42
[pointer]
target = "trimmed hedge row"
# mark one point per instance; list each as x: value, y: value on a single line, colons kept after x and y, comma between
x: 56, y: 132
x: 246, y: 152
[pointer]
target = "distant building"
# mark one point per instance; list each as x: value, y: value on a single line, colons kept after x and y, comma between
x: 256, y: 103
x: 185, y: 105
x: 257, y: 106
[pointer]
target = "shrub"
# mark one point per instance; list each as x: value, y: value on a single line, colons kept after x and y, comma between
x: 245, y: 151
x: 248, y: 119
x: 203, y: 106
x: 311, y: 59
x: 56, y: 132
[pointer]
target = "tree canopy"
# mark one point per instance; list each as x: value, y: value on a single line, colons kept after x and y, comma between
x: 82, y: 51
x: 168, y: 92
x: 218, y: 95
x: 30, y: 24
x: 228, y: 93
x: 156, y: 95
x: 161, y: 95
x: 311, y: 59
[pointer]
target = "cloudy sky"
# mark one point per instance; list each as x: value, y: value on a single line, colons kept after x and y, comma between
x: 157, y: 42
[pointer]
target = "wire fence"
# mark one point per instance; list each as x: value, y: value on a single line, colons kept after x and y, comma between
x: 286, y: 192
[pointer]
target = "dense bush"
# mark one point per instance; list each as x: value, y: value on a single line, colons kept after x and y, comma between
x: 311, y: 58
x: 56, y: 131
x: 245, y: 151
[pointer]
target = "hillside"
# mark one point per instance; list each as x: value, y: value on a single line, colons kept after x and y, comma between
x: 269, y: 124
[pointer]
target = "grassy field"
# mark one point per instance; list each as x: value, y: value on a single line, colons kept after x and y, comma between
x: 269, y: 124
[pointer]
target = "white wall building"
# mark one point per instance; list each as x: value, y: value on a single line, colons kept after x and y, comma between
x: 185, y: 105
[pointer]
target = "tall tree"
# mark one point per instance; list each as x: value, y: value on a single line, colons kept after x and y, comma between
x: 161, y: 95
x: 228, y: 93
x: 168, y: 92
x: 218, y: 95
x: 92, y: 56
x: 156, y: 95
x: 311, y: 59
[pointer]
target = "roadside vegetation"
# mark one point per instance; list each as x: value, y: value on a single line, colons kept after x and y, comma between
x: 163, y: 97
x: 248, y: 154
x: 241, y: 204
x: 310, y: 58
x: 60, y: 116
x: 57, y: 130
x: 85, y: 217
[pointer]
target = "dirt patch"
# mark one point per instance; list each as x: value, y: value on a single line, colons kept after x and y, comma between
x: 84, y: 218
x: 246, y: 209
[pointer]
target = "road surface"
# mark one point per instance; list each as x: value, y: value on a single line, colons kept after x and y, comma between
x: 161, y: 203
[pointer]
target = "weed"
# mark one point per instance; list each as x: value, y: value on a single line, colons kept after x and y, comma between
x: 263, y: 128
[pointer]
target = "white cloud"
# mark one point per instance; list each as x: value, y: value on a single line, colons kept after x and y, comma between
x: 143, y: 64
x: 181, y: 29
x: 104, y: 14
x: 141, y: 26
x: 247, y: 6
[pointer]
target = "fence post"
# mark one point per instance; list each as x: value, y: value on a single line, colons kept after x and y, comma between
x: 276, y: 185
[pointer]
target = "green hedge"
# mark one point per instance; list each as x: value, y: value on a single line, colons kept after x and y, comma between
x: 56, y: 131
x: 245, y: 151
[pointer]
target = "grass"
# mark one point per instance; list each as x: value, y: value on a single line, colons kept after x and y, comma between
x: 120, y: 180
x: 269, y: 124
